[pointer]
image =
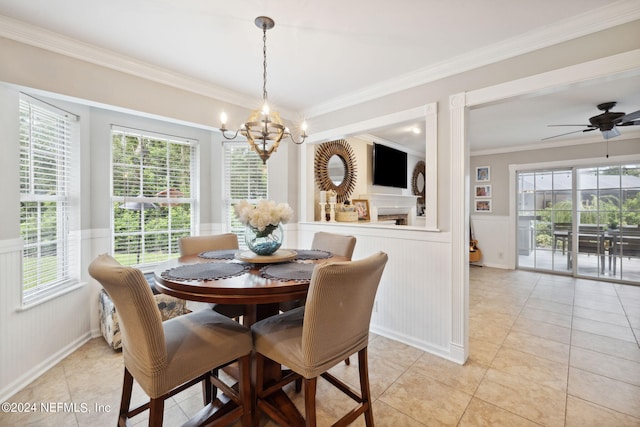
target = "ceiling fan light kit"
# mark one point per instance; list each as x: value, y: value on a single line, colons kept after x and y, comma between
x: 607, y: 123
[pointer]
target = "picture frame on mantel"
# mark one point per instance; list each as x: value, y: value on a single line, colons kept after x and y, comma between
x: 362, y: 208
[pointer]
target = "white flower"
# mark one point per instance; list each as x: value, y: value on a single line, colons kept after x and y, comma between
x: 263, y: 214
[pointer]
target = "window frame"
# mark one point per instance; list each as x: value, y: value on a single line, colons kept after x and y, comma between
x: 165, y: 201
x: 255, y: 165
x: 52, y: 135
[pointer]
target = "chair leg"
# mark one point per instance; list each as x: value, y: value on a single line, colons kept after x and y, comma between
x: 245, y: 390
x: 156, y: 412
x: 365, y: 391
x: 125, y: 400
x: 259, y: 387
x: 310, y: 401
x: 209, y: 391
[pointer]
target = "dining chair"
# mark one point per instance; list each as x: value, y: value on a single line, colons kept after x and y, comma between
x: 339, y: 245
x: 195, y: 245
x: 168, y: 357
x: 310, y: 340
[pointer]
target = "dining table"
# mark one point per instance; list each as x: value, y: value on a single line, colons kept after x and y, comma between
x: 260, y: 283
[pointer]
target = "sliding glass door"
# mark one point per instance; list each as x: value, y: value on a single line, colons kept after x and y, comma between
x: 609, y: 214
x: 582, y: 221
x: 544, y: 219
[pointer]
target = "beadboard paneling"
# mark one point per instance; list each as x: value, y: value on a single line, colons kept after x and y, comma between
x: 35, y: 338
x: 413, y: 303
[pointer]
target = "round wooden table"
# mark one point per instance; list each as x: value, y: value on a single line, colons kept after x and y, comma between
x: 260, y: 295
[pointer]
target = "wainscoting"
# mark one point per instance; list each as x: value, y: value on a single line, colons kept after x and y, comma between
x: 414, y: 301
x: 35, y: 338
x: 495, y: 240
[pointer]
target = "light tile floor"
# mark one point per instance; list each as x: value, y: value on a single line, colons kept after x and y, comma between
x: 544, y: 350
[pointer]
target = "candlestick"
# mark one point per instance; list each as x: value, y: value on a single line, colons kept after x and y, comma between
x: 323, y: 212
x: 323, y: 197
x: 332, y: 212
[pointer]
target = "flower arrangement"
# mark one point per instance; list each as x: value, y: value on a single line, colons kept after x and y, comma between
x: 264, y: 216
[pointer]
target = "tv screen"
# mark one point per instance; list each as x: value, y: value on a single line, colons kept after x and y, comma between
x: 389, y: 166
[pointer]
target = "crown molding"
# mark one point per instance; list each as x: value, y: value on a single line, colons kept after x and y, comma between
x: 591, y: 139
x: 600, y: 19
x: 54, y: 42
x: 583, y: 24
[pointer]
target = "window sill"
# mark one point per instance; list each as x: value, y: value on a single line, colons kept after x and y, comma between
x: 40, y: 299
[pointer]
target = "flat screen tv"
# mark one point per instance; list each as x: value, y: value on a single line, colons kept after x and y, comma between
x: 389, y: 166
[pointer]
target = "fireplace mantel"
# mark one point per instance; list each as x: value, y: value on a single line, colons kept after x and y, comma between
x: 391, y: 204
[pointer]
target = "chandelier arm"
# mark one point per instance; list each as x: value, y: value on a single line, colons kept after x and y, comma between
x: 302, y: 138
x: 224, y: 134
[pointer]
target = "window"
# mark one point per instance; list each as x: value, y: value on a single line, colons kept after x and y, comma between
x: 245, y: 179
x: 46, y: 140
x: 152, y: 195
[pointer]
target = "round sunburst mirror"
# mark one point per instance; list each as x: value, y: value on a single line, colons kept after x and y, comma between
x: 335, y: 168
x: 418, y: 181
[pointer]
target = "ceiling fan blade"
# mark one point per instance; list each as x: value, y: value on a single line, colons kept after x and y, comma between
x: 631, y: 123
x: 630, y: 117
x: 569, y: 125
x: 563, y: 134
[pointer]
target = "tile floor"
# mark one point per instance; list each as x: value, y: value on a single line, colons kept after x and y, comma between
x: 544, y: 350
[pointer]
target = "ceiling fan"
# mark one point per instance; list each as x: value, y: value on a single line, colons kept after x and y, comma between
x: 606, y: 122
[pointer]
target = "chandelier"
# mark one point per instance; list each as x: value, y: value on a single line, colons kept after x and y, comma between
x: 263, y: 129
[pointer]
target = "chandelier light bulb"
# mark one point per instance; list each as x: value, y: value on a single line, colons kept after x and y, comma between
x: 223, y: 119
x: 265, y: 109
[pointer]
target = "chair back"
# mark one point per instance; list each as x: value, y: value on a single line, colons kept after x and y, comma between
x: 197, y: 244
x: 143, y: 342
x: 338, y: 309
x: 337, y: 244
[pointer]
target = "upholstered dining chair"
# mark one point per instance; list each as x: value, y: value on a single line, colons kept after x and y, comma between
x: 166, y: 358
x: 339, y: 245
x: 195, y: 245
x: 310, y: 340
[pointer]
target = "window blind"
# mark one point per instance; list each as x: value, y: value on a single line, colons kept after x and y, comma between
x: 245, y: 179
x: 45, y: 174
x: 152, y: 194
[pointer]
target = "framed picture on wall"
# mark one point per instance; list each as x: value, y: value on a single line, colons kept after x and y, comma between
x: 483, y: 174
x: 483, y: 191
x: 483, y: 206
x: 362, y: 207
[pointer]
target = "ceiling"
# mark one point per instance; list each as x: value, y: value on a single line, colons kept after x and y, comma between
x: 322, y: 55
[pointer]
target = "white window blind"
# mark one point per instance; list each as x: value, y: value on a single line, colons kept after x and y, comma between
x: 45, y: 181
x: 245, y: 179
x: 152, y: 194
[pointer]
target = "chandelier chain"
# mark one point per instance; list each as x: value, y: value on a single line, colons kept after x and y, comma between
x: 264, y: 61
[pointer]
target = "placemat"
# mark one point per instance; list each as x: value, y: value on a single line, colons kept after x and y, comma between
x: 312, y: 254
x: 206, y: 271
x: 288, y: 271
x: 219, y: 254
